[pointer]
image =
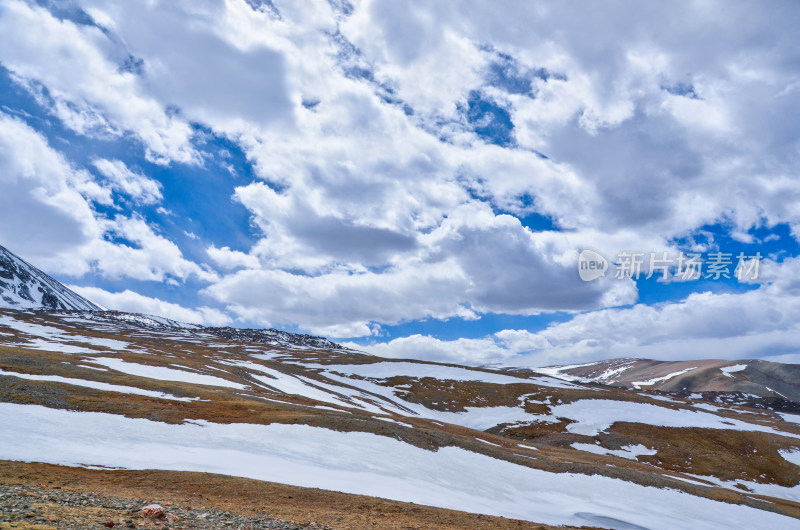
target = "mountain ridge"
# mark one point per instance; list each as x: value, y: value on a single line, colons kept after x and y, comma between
x: 747, y: 376
x: 269, y: 336
x: 23, y: 286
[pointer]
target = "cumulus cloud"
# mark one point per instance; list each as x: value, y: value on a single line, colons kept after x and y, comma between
x: 365, y: 194
x: 132, y: 249
x: 186, y: 61
x: 341, y: 304
x: 657, y: 126
x: 231, y: 259
x: 141, y: 189
x: 461, y: 351
x: 452, y: 273
x: 754, y: 324
x: 84, y: 87
x: 41, y: 208
x: 47, y: 215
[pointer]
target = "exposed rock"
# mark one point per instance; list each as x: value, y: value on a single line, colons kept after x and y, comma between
x: 153, y: 511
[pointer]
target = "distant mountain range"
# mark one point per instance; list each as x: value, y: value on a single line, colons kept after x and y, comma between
x: 759, y: 378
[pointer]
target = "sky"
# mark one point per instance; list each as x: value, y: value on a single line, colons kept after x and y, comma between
x: 416, y: 179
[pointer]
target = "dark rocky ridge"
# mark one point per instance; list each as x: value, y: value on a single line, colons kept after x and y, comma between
x: 274, y: 336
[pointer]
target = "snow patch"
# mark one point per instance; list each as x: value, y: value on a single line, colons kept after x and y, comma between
x: 107, y: 387
x: 592, y: 416
x: 639, y: 384
x: 628, y: 451
x: 793, y: 418
x: 728, y: 370
x: 164, y: 374
x: 792, y: 456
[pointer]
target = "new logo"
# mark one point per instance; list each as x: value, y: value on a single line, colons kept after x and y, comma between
x: 591, y: 265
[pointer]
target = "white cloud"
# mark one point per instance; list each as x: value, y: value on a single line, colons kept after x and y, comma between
x: 42, y: 211
x: 141, y: 189
x: 460, y: 351
x: 663, y: 132
x: 140, y: 253
x: 188, y: 61
x: 133, y: 302
x: 231, y: 259
x: 89, y: 91
x: 452, y: 272
x: 46, y: 215
x: 341, y: 304
x: 753, y: 324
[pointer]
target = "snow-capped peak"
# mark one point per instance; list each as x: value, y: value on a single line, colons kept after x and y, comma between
x: 23, y: 286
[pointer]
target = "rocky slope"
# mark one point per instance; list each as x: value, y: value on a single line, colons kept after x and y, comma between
x: 43, y: 508
x: 23, y: 286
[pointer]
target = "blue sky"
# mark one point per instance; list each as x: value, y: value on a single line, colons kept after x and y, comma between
x: 411, y: 179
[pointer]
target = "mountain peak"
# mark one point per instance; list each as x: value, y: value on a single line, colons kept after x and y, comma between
x: 23, y: 286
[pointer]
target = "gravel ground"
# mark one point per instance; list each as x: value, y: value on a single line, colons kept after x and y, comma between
x: 40, y: 507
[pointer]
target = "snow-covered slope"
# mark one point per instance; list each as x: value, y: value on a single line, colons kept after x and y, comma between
x: 23, y: 286
x: 89, y: 389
